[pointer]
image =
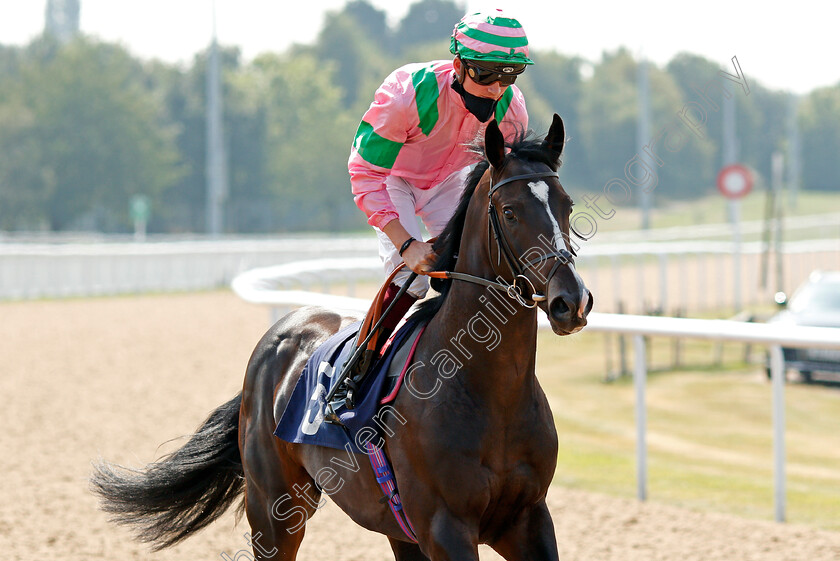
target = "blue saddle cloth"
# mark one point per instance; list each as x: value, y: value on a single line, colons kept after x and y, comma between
x: 303, y: 419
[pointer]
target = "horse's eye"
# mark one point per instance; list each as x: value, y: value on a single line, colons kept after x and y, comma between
x: 508, y: 214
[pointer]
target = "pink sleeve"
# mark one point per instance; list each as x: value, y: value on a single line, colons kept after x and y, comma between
x: 369, y: 192
x: 388, y: 118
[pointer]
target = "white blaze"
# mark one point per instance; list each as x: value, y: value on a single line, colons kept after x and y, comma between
x: 540, y: 191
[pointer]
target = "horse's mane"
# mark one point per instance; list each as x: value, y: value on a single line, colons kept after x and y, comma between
x: 525, y: 147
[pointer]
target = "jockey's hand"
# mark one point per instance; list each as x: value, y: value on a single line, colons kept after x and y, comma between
x: 419, y: 257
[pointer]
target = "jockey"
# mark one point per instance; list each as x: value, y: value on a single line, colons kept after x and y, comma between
x: 410, y: 157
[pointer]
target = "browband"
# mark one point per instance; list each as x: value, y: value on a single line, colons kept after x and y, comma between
x: 493, y: 188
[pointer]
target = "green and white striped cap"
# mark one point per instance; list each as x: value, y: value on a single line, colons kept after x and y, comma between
x: 490, y: 37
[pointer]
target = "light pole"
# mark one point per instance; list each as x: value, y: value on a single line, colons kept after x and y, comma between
x: 216, y: 170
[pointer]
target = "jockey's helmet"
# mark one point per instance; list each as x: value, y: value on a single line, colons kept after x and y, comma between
x: 491, y: 39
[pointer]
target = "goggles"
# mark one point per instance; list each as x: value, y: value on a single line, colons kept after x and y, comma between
x: 503, y: 73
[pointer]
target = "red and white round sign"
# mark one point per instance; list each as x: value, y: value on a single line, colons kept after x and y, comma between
x: 734, y: 181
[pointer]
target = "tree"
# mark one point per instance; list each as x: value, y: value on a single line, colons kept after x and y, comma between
x: 24, y: 184
x: 359, y: 61
x: 185, y: 93
x: 696, y: 77
x: 688, y: 172
x: 608, y: 110
x: 371, y: 20
x: 428, y: 20
x: 9, y: 62
x: 182, y: 207
x: 762, y: 122
x: 99, y: 134
x: 307, y: 143
x: 609, y: 117
x: 556, y: 80
x: 246, y: 130
x: 819, y: 120
x: 760, y: 117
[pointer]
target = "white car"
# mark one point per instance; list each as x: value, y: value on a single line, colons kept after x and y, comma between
x: 817, y: 303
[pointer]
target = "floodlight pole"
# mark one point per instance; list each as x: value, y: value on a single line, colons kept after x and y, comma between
x: 793, y: 149
x: 216, y: 171
x: 643, y: 137
x: 730, y: 156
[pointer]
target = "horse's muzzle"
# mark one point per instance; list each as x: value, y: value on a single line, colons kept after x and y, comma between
x: 567, y: 310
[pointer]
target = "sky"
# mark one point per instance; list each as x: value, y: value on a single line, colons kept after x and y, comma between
x: 787, y: 46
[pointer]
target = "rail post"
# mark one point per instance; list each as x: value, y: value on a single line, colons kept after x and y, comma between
x: 639, y: 383
x: 777, y: 373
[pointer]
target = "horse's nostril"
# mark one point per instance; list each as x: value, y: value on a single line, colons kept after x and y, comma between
x: 559, y: 307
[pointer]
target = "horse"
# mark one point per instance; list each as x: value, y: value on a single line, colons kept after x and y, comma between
x: 471, y: 437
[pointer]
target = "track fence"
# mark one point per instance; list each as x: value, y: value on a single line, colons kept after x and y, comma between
x: 265, y: 286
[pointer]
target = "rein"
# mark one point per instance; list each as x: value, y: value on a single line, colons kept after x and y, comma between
x: 517, y: 267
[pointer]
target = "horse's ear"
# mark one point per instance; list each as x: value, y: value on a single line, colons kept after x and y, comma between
x: 556, y: 137
x: 494, y: 144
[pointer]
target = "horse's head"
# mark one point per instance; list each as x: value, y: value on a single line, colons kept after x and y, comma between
x: 528, y: 218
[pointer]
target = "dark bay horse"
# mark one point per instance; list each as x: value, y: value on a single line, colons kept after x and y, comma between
x: 471, y: 437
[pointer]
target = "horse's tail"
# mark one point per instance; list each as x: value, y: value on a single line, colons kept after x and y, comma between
x: 183, y: 492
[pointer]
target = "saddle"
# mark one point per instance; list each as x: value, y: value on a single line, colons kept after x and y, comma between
x: 303, y: 416
x: 366, y: 347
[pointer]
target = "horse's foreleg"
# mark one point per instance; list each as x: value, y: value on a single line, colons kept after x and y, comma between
x: 404, y: 551
x: 450, y: 539
x: 530, y: 537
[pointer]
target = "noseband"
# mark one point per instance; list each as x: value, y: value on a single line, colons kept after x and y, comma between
x: 516, y: 289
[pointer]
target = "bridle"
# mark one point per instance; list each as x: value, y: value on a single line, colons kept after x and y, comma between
x: 516, y: 289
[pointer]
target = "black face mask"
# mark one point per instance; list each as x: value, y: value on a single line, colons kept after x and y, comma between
x: 481, y: 107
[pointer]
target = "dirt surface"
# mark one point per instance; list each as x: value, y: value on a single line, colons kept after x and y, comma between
x: 115, y: 378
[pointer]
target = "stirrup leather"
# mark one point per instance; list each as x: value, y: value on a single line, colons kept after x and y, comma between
x: 364, y: 350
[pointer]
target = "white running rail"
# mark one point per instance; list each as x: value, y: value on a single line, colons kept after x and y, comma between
x: 79, y: 269
x: 265, y: 286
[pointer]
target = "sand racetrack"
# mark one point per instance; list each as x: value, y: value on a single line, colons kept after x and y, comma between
x: 116, y: 377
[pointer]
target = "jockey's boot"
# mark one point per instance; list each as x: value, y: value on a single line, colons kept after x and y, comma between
x: 393, y: 319
x: 345, y: 393
x: 389, y: 323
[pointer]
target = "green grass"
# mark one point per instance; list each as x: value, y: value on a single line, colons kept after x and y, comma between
x: 712, y: 209
x: 709, y: 430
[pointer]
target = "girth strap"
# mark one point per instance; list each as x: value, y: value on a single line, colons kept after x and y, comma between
x: 385, y: 477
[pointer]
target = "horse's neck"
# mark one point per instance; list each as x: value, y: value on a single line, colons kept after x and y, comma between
x: 491, y: 336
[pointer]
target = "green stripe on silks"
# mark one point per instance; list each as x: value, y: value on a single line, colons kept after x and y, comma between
x: 503, y: 104
x: 376, y: 149
x: 426, y: 95
x: 498, y: 40
x: 503, y: 22
x: 509, y: 57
